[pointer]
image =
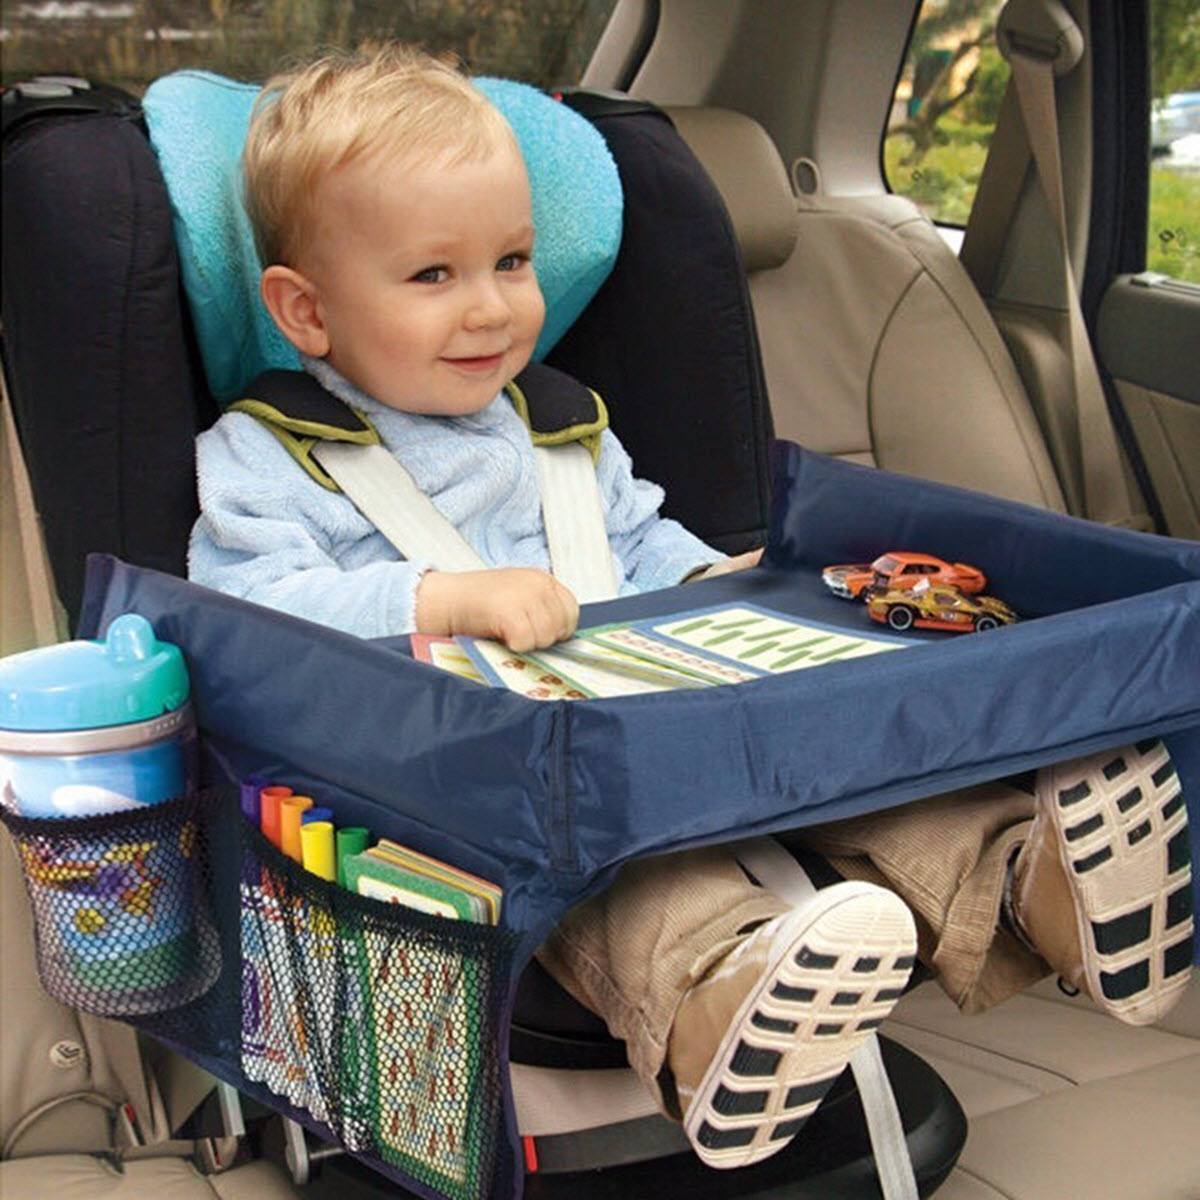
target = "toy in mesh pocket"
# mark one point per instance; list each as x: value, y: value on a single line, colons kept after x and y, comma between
x: 380, y: 1021
x: 120, y: 907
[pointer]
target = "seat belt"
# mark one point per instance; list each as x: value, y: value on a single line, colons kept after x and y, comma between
x: 573, y: 514
x: 1041, y: 40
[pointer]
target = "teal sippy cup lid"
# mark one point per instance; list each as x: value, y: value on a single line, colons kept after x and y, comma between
x: 129, y: 676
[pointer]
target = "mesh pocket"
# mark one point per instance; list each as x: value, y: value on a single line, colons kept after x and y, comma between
x: 120, y: 904
x: 380, y: 1021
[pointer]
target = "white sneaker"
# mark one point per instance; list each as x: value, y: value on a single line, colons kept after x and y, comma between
x: 1102, y: 889
x: 762, y: 1037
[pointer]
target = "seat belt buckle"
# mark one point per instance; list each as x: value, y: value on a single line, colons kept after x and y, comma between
x: 215, y: 1155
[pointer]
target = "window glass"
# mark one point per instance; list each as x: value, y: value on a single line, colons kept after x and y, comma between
x: 1173, y: 245
x: 132, y: 42
x: 945, y: 107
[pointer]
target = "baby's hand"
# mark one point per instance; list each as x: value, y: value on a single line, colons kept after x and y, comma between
x: 739, y: 562
x: 522, y: 607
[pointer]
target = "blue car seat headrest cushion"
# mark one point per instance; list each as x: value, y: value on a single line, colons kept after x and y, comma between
x: 197, y: 123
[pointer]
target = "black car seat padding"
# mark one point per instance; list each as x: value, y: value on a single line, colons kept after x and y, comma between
x: 673, y: 322
x: 105, y: 391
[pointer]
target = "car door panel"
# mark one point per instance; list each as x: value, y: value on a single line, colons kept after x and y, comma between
x: 1147, y: 338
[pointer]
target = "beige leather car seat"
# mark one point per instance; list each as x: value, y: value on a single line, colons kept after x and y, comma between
x: 878, y: 349
x: 876, y: 346
x: 73, y: 1087
x: 1062, y: 1101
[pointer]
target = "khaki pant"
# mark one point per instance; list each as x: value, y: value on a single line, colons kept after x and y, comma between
x: 630, y: 953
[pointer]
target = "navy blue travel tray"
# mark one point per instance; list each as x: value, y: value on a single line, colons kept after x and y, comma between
x: 548, y: 798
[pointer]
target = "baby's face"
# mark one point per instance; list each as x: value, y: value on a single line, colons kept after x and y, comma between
x: 423, y: 276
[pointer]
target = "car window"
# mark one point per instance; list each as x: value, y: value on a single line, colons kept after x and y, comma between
x: 948, y: 96
x: 1173, y: 241
x: 544, y: 42
x: 945, y: 106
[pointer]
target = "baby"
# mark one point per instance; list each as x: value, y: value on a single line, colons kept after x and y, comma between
x: 392, y: 213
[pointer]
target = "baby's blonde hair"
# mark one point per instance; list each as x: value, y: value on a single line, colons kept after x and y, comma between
x: 395, y: 101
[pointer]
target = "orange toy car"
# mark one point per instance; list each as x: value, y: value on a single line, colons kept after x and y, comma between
x: 900, y: 569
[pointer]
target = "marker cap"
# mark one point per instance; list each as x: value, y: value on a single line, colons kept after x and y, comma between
x: 316, y: 844
x: 353, y: 839
x: 269, y: 799
x: 291, y: 809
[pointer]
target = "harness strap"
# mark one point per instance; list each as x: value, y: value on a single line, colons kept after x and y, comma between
x: 340, y: 449
x: 573, y: 515
x: 565, y: 421
x: 893, y: 1163
x: 382, y: 489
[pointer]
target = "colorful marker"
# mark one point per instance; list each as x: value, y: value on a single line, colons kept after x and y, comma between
x: 353, y: 839
x: 250, y: 788
x: 291, y: 809
x: 269, y: 800
x: 316, y: 844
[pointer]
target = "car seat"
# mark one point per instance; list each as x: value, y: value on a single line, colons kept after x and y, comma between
x: 110, y: 463
x: 874, y: 340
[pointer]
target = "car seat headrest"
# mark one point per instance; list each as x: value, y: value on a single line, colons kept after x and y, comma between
x: 740, y: 158
x: 197, y: 123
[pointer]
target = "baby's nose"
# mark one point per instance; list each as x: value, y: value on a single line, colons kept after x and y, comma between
x: 487, y: 306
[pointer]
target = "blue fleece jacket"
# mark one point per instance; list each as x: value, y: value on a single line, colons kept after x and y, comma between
x: 269, y: 534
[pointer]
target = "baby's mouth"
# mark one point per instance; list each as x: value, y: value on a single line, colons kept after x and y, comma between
x: 477, y: 364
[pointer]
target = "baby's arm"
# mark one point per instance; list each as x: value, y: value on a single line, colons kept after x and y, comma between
x: 522, y: 607
x: 727, y: 566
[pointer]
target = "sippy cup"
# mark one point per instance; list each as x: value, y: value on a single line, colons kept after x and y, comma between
x: 95, y: 738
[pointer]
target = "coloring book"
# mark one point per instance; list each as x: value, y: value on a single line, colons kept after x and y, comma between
x: 699, y: 648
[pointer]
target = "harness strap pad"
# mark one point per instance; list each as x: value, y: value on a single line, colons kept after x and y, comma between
x: 342, y: 451
x: 558, y: 409
x: 302, y: 414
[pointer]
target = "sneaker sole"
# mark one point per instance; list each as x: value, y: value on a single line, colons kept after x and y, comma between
x: 1123, y: 840
x: 839, y: 971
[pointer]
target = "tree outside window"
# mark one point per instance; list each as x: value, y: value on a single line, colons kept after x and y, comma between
x: 132, y: 42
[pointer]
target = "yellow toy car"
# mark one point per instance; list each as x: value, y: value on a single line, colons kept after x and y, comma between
x: 937, y: 607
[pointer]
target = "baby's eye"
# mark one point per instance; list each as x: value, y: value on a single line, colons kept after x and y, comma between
x: 431, y: 275
x: 512, y: 262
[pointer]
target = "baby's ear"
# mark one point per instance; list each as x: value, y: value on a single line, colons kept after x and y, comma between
x: 291, y: 300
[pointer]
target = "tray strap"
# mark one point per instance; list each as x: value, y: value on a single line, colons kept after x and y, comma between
x: 778, y: 871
